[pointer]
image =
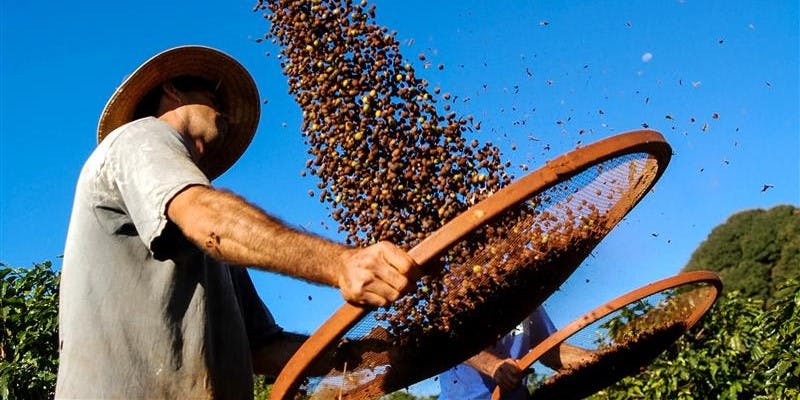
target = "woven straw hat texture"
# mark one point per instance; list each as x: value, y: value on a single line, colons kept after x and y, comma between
x: 237, y: 93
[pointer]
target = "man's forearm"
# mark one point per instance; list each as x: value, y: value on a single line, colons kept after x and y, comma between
x: 235, y: 231
x: 504, y: 371
x: 566, y: 355
x: 484, y: 362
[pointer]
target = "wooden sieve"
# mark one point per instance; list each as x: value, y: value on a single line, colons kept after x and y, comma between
x: 482, y: 273
x: 624, y: 335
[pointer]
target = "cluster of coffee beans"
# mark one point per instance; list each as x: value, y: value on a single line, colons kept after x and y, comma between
x: 392, y: 165
x: 483, y: 273
x: 394, y: 168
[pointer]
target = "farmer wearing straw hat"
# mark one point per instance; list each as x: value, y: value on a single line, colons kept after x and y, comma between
x: 149, y: 306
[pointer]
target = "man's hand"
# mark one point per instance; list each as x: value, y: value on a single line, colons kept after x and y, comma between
x: 375, y: 275
x: 507, y: 375
x: 504, y: 371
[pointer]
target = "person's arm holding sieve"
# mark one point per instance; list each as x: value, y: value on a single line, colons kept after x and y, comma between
x: 566, y: 356
x: 232, y: 230
x: 504, y: 371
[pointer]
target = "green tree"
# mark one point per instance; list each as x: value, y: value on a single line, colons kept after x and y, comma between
x: 29, y: 341
x: 747, y: 346
x: 753, y: 251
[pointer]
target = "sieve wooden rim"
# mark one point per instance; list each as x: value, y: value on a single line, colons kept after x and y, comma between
x: 554, y: 171
x: 614, y: 305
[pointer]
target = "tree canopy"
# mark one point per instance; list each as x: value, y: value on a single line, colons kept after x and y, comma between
x: 754, y: 251
x: 747, y: 345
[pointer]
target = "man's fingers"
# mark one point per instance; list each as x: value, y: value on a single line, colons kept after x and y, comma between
x: 375, y: 275
x: 507, y: 375
x: 397, y: 258
x: 505, y: 381
x: 507, y: 385
x: 383, y: 290
x: 366, y: 290
x: 373, y: 300
x: 392, y: 278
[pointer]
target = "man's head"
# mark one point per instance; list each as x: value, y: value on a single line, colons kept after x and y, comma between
x: 202, y: 84
x: 192, y: 106
x: 151, y: 103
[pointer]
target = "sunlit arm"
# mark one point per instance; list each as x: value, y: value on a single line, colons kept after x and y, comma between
x: 566, y: 356
x: 232, y: 230
x: 504, y: 372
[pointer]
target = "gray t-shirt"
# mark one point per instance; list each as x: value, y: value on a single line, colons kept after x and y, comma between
x: 143, y: 312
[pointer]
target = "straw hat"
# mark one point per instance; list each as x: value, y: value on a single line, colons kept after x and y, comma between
x: 237, y: 93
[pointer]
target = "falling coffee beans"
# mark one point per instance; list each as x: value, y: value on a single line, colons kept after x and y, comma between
x: 390, y: 165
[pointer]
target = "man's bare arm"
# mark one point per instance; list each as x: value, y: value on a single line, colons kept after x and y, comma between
x: 232, y: 230
x: 566, y: 356
x: 504, y: 372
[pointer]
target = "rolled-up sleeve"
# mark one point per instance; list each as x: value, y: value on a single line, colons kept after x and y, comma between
x: 149, y: 163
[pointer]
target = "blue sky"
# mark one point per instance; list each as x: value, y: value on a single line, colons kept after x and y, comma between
x: 538, y: 69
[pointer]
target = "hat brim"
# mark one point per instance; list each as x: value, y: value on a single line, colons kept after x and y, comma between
x: 237, y: 93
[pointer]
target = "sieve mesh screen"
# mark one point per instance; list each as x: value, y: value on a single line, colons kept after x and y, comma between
x: 484, y: 284
x: 622, y: 336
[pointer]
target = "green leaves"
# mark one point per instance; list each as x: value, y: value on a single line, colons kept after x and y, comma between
x: 746, y: 347
x: 739, y: 350
x: 753, y: 251
x: 29, y: 340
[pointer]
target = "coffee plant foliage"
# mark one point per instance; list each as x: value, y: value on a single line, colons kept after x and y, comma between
x: 740, y: 350
x: 29, y: 339
x: 745, y: 347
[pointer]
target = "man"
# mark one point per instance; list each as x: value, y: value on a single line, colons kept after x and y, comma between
x: 476, y: 378
x: 154, y: 303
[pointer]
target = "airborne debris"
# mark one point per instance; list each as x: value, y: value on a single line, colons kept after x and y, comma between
x: 357, y: 93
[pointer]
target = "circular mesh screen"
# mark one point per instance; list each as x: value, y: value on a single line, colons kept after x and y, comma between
x: 485, y: 284
x: 624, y: 340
